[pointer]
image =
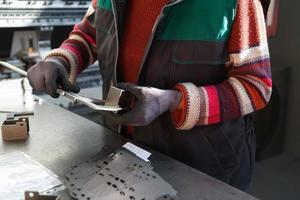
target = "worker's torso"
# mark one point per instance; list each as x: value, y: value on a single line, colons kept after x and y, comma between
x: 188, y: 44
x: 190, y: 37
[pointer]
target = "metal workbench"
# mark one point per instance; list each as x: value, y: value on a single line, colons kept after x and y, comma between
x: 59, y: 139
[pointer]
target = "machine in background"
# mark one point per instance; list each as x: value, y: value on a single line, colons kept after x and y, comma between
x: 27, y: 28
x: 30, y: 28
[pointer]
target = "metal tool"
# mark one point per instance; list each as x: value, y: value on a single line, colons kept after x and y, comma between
x: 12, y: 115
x: 111, y: 105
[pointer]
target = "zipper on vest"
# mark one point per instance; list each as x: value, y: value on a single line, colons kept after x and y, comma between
x: 117, y: 38
x: 154, y: 29
x: 114, y: 82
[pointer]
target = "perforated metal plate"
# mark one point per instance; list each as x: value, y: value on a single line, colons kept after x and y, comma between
x: 121, y: 175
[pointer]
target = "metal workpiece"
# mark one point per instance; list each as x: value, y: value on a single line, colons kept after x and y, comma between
x: 15, y: 129
x: 123, y: 174
x: 99, y: 105
x: 60, y: 139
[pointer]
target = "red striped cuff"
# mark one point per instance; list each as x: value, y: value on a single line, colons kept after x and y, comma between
x: 188, y: 117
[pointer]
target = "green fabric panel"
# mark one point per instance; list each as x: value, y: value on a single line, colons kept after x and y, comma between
x: 206, y: 20
x: 105, y: 4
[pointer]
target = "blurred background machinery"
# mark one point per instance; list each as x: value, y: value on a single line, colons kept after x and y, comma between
x: 270, y: 122
x: 30, y: 28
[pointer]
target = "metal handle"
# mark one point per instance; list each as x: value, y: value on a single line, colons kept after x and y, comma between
x: 24, y: 73
x: 70, y: 95
x: 13, y: 68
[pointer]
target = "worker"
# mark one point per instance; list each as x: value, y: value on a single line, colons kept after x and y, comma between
x: 199, y: 70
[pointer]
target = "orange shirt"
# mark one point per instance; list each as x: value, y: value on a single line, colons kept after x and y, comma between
x: 141, y: 16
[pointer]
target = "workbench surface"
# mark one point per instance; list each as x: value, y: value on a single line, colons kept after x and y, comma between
x: 59, y: 139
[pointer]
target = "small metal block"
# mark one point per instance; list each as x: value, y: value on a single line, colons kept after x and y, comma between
x: 15, y: 129
x: 118, y: 98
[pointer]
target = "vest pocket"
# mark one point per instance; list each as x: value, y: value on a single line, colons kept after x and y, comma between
x: 196, y: 71
x: 201, y: 63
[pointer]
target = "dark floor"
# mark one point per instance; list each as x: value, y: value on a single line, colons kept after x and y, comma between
x: 277, y: 178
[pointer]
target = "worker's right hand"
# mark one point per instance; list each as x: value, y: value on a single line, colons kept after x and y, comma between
x: 47, y: 76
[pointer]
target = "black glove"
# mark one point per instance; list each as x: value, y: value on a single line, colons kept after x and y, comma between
x: 150, y: 103
x: 47, y: 76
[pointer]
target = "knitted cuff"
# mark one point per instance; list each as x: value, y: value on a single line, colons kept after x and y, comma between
x: 69, y: 57
x: 187, y: 118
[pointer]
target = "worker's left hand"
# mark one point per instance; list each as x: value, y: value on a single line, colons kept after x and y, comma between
x: 150, y: 103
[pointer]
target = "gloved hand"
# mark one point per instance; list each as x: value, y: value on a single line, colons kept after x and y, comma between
x: 47, y: 76
x: 150, y: 103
